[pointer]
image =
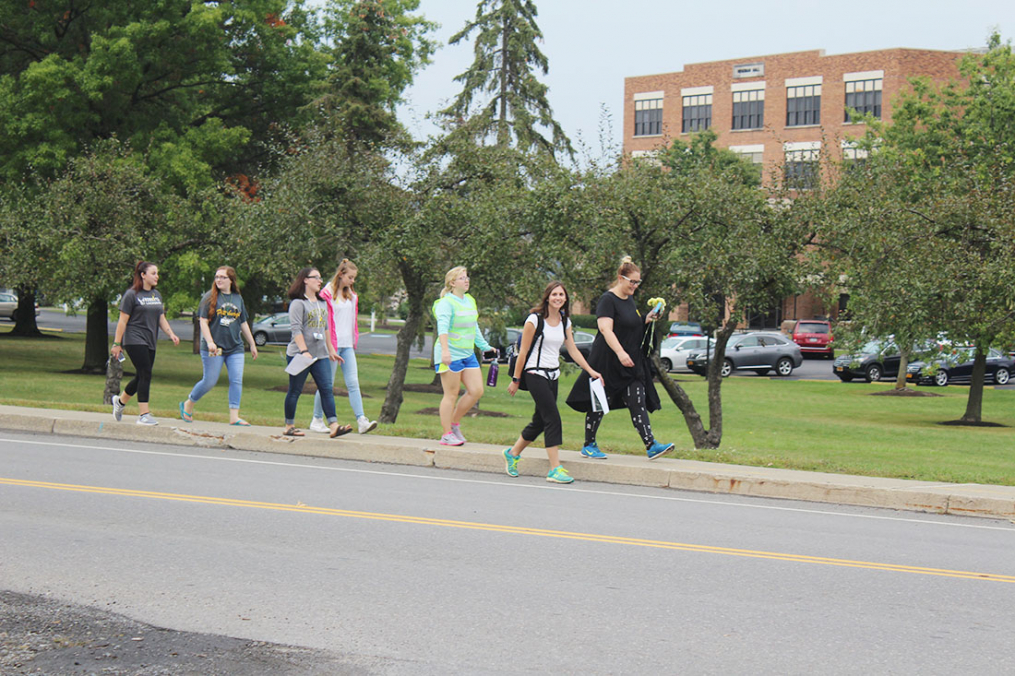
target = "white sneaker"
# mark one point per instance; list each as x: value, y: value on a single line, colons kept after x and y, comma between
x: 366, y: 424
x: 456, y: 430
x: 318, y: 425
x: 147, y: 419
x: 117, y: 409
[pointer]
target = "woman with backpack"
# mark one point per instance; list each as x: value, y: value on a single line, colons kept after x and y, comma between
x: 546, y: 329
x: 454, y: 358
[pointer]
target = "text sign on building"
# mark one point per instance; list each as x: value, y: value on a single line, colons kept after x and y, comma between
x: 749, y: 70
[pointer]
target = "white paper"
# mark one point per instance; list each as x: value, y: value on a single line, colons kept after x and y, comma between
x: 299, y: 364
x: 598, y: 394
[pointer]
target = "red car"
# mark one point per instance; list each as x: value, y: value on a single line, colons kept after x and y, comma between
x: 814, y: 336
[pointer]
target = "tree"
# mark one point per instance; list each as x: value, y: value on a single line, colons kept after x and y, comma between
x: 505, y: 57
x: 942, y: 179
x: 701, y: 233
x: 379, y: 46
x: 97, y: 219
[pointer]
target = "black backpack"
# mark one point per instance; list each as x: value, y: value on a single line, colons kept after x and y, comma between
x: 517, y: 348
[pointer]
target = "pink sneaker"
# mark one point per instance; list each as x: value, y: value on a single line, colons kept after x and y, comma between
x: 451, y: 440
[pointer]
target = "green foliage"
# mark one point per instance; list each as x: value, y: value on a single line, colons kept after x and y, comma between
x: 584, y: 321
x: 193, y: 82
x: 506, y: 62
x: 379, y: 46
x: 700, y: 153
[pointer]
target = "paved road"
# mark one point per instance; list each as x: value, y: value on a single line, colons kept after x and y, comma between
x: 380, y: 343
x: 435, y: 572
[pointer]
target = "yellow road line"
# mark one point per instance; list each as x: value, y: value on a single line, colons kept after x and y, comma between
x: 516, y: 530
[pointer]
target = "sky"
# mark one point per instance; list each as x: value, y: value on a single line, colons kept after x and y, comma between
x: 592, y: 45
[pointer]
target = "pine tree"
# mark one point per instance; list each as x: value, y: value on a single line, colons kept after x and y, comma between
x: 506, y: 57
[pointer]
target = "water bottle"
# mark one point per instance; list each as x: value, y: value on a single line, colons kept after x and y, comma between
x: 491, y: 378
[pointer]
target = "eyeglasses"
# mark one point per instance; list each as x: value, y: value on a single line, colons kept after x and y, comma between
x: 221, y: 277
x: 635, y: 282
x: 313, y: 276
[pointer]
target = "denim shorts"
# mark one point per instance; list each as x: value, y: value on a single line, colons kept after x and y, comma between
x: 458, y: 365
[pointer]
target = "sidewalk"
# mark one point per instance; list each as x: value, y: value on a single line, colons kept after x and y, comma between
x: 920, y: 496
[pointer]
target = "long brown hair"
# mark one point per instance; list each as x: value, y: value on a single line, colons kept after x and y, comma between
x: 213, y: 300
x: 298, y: 288
x: 345, y: 266
x: 543, y: 309
x: 140, y: 269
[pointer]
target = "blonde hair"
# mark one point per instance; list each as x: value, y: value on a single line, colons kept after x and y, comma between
x: 345, y: 266
x: 449, y: 279
x: 627, y: 266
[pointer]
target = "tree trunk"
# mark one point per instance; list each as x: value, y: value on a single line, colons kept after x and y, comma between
x: 24, y: 323
x: 197, y: 334
x: 702, y: 438
x: 900, y: 380
x: 396, y: 383
x: 96, y: 337
x: 974, y: 405
x: 503, y: 131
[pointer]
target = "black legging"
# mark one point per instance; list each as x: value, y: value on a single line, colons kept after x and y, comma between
x: 546, y: 418
x: 634, y: 397
x: 143, y: 359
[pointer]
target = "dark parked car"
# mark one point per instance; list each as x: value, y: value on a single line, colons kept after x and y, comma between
x: 685, y: 329
x: 875, y: 360
x: 957, y: 368
x: 814, y: 336
x: 758, y: 352
x: 504, y: 342
x: 272, y: 329
x: 583, y: 341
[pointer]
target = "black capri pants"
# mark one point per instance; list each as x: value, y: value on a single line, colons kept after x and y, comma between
x: 143, y: 359
x: 546, y: 418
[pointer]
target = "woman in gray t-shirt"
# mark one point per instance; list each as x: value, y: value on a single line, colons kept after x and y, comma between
x: 141, y: 316
x: 308, y: 316
x: 222, y: 316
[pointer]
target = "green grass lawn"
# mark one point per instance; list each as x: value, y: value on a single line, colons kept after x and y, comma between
x: 811, y: 425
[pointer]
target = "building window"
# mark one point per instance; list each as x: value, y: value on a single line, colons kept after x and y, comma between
x: 803, y: 105
x: 697, y: 113
x: 852, y: 157
x: 648, y: 117
x: 863, y: 96
x: 749, y: 109
x: 753, y: 155
x: 801, y: 168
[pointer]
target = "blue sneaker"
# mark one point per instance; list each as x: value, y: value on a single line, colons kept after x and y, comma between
x: 592, y: 451
x: 559, y: 475
x: 657, y: 449
x: 511, y: 462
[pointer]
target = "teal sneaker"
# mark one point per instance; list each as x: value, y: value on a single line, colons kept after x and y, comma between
x: 657, y: 449
x: 592, y: 451
x: 511, y: 462
x: 559, y: 475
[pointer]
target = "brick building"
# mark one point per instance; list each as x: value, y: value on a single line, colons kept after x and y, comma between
x: 775, y: 111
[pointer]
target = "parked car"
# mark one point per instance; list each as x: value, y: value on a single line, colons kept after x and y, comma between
x: 757, y: 351
x: 673, y: 352
x: 678, y: 329
x: 583, y: 341
x: 957, y: 367
x: 9, y: 306
x: 814, y: 336
x: 875, y: 360
x: 273, y: 329
x: 504, y: 342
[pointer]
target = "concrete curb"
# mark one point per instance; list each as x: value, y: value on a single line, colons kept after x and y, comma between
x: 919, y: 496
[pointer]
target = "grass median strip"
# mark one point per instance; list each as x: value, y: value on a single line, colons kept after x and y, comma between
x: 823, y: 426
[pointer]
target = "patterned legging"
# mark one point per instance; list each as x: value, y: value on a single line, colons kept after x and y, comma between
x: 634, y: 397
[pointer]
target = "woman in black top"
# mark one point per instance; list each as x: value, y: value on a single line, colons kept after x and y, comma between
x: 141, y: 316
x: 616, y: 353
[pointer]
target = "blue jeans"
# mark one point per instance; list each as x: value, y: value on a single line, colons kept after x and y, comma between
x: 212, y: 370
x: 351, y: 377
x: 321, y: 371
